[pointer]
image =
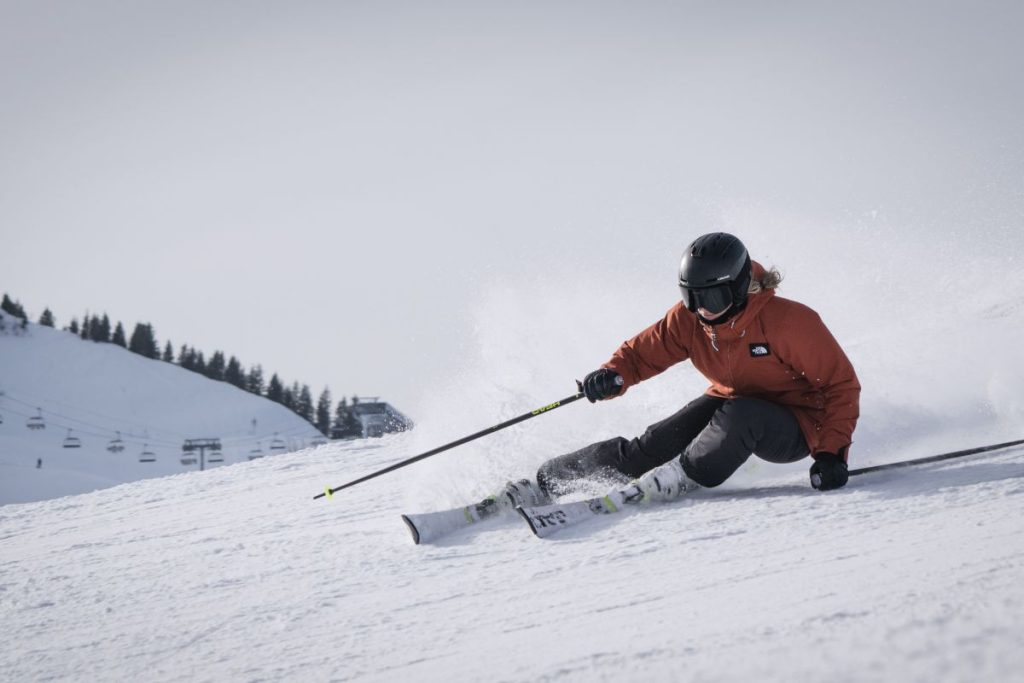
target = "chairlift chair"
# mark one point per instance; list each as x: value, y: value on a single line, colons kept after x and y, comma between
x: 116, y: 445
x: 256, y: 452
x: 36, y: 421
x: 188, y: 459
x: 215, y: 456
x: 147, y: 455
x: 72, y: 441
x: 277, y: 445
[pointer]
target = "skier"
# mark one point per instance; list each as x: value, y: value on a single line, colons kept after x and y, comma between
x: 781, y: 386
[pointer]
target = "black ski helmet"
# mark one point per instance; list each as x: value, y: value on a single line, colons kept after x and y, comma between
x: 714, y: 274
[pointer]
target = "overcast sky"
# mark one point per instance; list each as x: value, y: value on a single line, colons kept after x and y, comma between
x: 342, y: 191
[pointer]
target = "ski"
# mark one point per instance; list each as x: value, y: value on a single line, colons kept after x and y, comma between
x: 545, y: 520
x: 429, y: 526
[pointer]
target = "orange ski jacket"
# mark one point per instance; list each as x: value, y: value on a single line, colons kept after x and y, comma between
x: 775, y: 349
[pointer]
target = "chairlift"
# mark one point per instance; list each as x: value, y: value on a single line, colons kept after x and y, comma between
x: 277, y: 446
x: 215, y: 456
x: 188, y: 459
x: 147, y: 455
x: 256, y: 452
x: 36, y: 421
x: 72, y: 441
x: 116, y: 445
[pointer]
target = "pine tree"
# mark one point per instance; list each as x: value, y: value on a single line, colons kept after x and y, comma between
x: 288, y: 398
x: 143, y: 341
x: 13, y: 307
x: 346, y: 423
x: 233, y: 373
x: 275, y: 390
x: 73, y: 327
x: 353, y: 425
x: 254, y: 383
x: 103, y: 329
x: 168, y: 356
x: 119, y: 337
x: 183, y: 359
x: 323, y: 412
x: 84, y: 334
x: 304, y: 403
x: 215, y: 368
x: 340, y: 412
x: 46, y: 319
x: 199, y: 363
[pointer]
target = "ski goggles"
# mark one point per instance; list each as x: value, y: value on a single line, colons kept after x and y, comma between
x: 716, y: 299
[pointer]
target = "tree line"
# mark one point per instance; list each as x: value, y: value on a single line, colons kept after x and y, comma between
x: 339, y: 422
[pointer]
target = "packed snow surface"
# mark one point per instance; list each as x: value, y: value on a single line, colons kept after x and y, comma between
x: 238, y: 574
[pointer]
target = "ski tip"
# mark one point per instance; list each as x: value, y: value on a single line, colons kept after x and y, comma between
x: 529, y: 520
x: 412, y: 529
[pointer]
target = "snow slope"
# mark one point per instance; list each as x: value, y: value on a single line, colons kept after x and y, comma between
x: 909, y: 575
x: 97, y: 393
x: 237, y: 574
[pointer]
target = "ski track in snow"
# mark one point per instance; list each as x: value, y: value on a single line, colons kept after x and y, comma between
x: 237, y: 574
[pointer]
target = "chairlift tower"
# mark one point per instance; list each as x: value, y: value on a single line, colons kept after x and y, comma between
x: 202, y: 445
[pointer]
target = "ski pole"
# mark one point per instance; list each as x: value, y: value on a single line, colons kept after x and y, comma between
x: 466, y: 439
x: 935, y: 458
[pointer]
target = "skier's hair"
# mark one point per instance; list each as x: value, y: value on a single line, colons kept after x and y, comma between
x: 770, y: 280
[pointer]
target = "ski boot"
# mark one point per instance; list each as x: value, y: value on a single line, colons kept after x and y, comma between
x: 522, y: 493
x: 666, y: 482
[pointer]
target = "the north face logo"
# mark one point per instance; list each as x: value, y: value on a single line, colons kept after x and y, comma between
x: 759, y: 350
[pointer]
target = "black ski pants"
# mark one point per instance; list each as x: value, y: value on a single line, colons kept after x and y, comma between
x: 712, y: 436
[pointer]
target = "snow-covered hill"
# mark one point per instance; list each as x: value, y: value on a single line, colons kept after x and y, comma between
x: 906, y: 575
x: 238, y: 574
x: 93, y: 395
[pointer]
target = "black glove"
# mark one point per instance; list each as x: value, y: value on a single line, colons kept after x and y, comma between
x: 602, y: 384
x: 828, y: 472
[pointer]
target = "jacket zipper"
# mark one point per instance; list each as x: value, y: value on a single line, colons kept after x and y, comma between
x: 729, y: 358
